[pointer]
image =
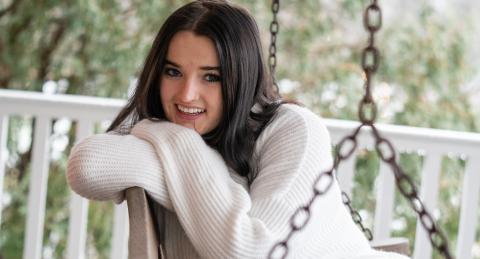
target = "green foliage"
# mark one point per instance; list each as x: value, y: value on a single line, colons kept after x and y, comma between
x: 16, y: 183
x: 57, y: 206
x: 97, y: 47
x: 99, y: 229
x: 14, y: 217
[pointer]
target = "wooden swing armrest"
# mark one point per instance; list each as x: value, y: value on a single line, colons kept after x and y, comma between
x: 142, y: 242
x: 394, y: 244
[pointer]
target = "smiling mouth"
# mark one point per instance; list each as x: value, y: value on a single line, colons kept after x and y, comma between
x: 190, y: 110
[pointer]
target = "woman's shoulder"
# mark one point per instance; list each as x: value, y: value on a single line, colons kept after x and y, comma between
x: 295, y: 121
x: 294, y: 146
x: 296, y: 110
x: 296, y: 117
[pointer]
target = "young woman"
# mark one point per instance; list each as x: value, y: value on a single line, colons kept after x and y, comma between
x: 208, y: 138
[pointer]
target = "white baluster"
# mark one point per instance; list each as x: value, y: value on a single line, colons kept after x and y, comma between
x: 384, y: 202
x: 469, y: 210
x: 77, y: 228
x: 428, y: 193
x: 3, y: 155
x: 38, y: 189
x: 120, y: 232
x: 346, y: 173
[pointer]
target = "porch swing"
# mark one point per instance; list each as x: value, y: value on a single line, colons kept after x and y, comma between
x: 145, y: 241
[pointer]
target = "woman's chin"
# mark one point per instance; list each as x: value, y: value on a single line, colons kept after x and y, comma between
x: 193, y: 124
x: 190, y: 125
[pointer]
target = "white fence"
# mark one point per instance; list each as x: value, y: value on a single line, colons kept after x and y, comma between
x: 88, y: 110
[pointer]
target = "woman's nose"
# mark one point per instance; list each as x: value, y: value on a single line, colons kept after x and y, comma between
x: 189, y: 91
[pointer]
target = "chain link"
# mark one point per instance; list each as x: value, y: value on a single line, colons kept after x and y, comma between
x: 357, y: 218
x: 409, y: 191
x: 367, y: 111
x: 342, y: 155
x: 372, y: 19
x: 272, y: 50
x: 321, y: 185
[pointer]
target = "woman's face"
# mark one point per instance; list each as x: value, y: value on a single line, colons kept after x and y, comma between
x: 190, y: 85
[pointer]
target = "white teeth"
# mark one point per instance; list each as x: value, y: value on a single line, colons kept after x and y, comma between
x: 190, y: 110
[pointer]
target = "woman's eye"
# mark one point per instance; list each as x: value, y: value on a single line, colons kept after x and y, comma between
x: 172, y: 72
x: 212, y: 78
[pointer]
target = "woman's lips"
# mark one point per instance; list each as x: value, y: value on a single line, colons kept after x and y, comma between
x: 188, y: 116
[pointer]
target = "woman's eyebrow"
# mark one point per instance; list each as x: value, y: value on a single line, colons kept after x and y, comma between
x: 210, y: 68
x: 169, y: 62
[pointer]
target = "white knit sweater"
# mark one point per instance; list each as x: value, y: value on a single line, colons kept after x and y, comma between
x: 210, y: 211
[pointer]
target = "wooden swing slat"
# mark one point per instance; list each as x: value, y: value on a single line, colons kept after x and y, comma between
x: 396, y: 244
x: 143, y: 242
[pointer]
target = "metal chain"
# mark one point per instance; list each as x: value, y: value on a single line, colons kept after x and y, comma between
x: 272, y: 50
x: 407, y: 188
x: 343, y: 154
x: 356, y: 216
x: 372, y: 19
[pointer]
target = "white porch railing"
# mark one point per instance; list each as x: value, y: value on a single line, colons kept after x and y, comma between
x: 89, y: 110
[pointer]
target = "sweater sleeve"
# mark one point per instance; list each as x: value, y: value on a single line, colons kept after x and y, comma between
x: 102, y: 166
x: 223, y: 220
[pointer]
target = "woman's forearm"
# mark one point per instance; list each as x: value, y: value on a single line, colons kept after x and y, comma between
x: 102, y: 166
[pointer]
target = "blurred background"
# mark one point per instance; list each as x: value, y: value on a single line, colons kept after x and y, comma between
x: 429, y: 76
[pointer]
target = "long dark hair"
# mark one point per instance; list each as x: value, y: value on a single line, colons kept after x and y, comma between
x: 245, y: 79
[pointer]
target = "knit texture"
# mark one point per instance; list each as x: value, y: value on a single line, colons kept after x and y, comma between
x: 210, y: 211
